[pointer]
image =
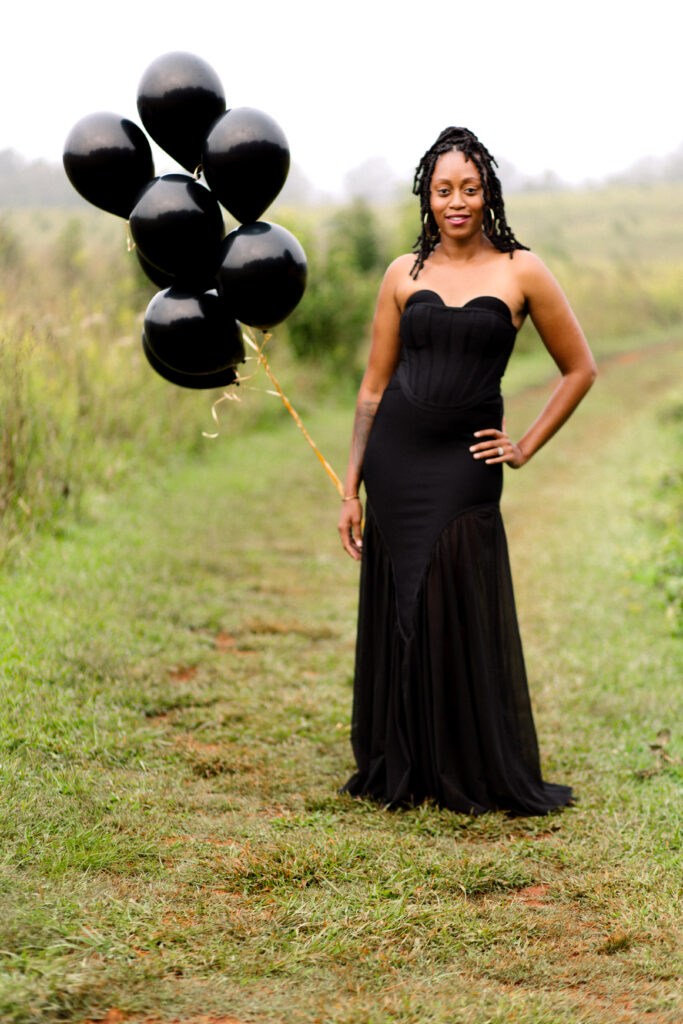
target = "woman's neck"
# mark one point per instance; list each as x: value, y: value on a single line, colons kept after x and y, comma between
x: 452, y: 251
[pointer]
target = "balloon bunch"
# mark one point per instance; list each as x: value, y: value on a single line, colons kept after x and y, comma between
x: 256, y: 275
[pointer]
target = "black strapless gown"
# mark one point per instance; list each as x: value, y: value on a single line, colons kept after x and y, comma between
x: 441, y: 705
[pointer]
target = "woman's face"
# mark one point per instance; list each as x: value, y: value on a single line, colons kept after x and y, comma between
x: 457, y: 196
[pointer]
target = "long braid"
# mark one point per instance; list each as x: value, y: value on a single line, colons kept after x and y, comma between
x: 496, y: 227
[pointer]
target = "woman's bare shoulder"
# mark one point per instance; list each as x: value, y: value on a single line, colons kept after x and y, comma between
x: 527, y: 266
x: 401, y: 266
x: 397, y: 279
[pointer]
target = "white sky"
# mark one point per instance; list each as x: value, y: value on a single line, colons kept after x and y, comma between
x: 583, y: 88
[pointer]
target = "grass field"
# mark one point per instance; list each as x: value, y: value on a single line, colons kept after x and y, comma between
x: 176, y: 683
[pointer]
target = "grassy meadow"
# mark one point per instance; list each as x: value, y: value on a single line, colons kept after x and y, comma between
x: 176, y: 649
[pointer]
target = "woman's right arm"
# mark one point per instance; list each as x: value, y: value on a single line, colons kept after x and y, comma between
x: 384, y: 352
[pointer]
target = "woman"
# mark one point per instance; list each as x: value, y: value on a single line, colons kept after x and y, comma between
x: 441, y: 705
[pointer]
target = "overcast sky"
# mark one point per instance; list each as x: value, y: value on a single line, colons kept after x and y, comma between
x: 582, y: 88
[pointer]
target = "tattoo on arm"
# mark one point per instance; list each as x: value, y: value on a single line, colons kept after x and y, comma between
x: 365, y: 415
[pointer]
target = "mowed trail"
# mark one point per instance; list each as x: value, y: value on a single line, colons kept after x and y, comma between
x: 573, y: 501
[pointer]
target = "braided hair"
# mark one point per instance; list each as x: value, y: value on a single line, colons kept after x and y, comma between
x: 496, y: 227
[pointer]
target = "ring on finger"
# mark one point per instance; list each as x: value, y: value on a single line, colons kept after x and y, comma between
x: 501, y: 450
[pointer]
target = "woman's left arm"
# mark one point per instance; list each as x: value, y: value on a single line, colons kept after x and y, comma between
x: 562, y: 336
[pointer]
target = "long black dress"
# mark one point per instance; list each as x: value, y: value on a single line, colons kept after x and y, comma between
x: 441, y: 704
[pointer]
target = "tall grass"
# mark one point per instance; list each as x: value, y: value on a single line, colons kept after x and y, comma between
x: 79, y: 403
x: 616, y: 252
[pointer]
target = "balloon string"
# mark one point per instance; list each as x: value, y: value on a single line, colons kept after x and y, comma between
x: 258, y: 349
x: 243, y: 380
x: 225, y: 397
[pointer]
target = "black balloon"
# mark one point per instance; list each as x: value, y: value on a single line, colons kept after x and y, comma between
x: 192, y: 339
x: 179, y: 98
x: 156, y: 276
x: 108, y: 160
x: 217, y: 379
x: 178, y: 226
x: 245, y: 161
x: 263, y: 273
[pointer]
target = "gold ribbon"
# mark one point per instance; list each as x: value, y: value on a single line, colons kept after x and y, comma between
x: 258, y: 349
x: 225, y: 397
x: 250, y: 340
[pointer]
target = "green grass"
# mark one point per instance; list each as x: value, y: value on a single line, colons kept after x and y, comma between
x: 176, y: 685
x: 614, y: 252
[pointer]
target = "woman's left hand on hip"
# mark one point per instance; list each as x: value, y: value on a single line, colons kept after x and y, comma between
x: 494, y: 446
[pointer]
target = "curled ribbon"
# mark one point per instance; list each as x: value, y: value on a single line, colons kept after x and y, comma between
x: 225, y: 397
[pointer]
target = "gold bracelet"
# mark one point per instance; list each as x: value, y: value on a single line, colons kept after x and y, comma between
x: 352, y: 497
